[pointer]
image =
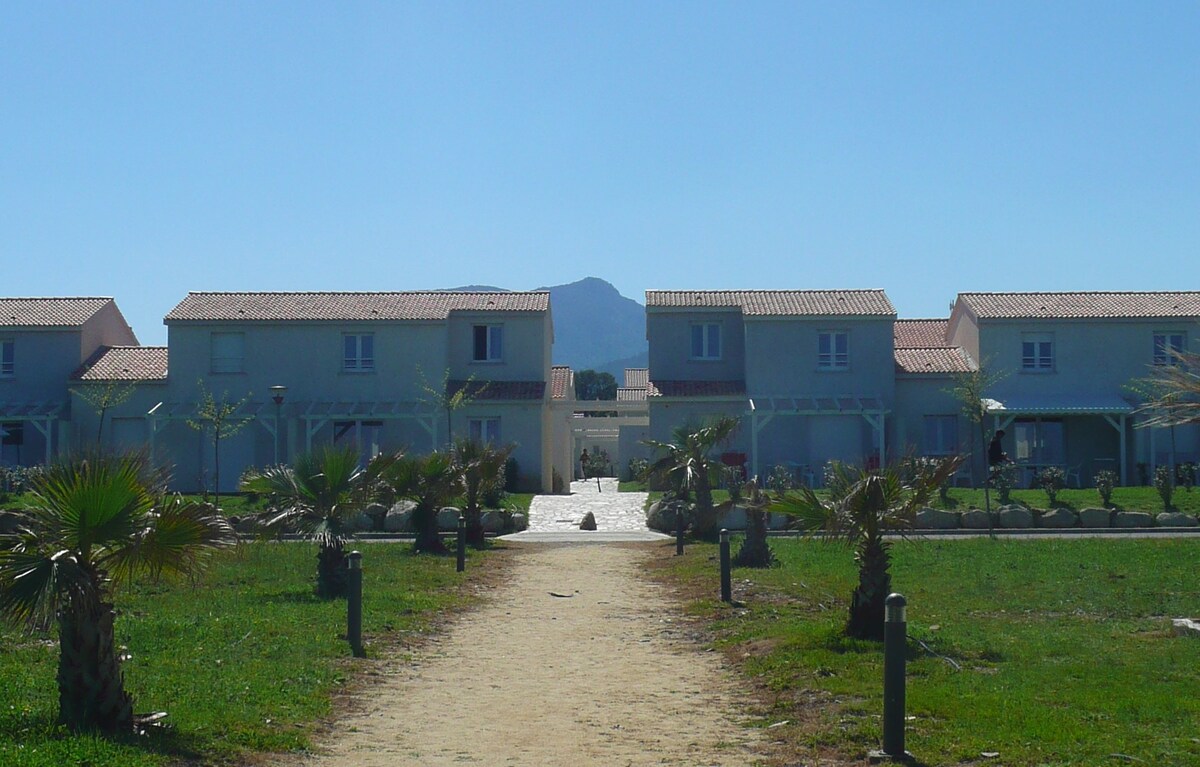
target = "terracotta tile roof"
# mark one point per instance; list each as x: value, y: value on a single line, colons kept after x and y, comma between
x: 632, y: 394
x: 356, y: 307
x: 637, y: 378
x: 777, y: 302
x: 498, y: 390
x: 697, y: 388
x: 124, y: 363
x: 562, y: 381
x: 936, y: 360
x: 49, y: 312
x: 1091, y: 305
x: 920, y: 334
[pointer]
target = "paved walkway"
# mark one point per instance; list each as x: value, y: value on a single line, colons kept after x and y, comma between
x: 619, y: 516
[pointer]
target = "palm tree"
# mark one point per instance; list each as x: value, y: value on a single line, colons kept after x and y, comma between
x: 863, y: 506
x: 319, y: 498
x: 481, y: 466
x: 430, y: 481
x: 687, y: 464
x: 755, y: 550
x: 92, y: 523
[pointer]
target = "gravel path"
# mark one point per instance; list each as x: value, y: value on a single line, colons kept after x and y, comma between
x: 605, y: 674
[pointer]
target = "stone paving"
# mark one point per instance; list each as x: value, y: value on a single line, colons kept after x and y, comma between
x: 619, y: 516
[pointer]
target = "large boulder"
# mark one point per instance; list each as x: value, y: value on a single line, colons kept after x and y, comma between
x: 975, y: 519
x: 1058, y: 517
x: 936, y: 519
x: 378, y: 514
x: 519, y: 522
x: 1133, y: 519
x: 493, y: 521
x: 660, y: 517
x: 734, y: 519
x: 1093, y: 517
x: 447, y: 518
x: 362, y: 522
x: 399, y: 518
x: 589, y: 522
x: 1175, y: 519
x: 1015, y: 517
x: 780, y: 521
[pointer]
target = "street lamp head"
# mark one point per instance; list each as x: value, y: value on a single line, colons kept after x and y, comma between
x: 277, y: 393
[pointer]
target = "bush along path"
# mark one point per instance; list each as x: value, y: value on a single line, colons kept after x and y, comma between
x: 576, y: 660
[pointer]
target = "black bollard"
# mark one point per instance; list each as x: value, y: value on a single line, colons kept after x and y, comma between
x: 462, y: 543
x: 726, y: 582
x: 354, y: 604
x: 678, y: 531
x: 895, y: 633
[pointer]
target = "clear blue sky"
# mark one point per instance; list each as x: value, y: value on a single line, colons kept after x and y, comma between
x: 151, y: 149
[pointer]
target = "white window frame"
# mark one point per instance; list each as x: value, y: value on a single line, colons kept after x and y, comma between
x: 1164, y: 340
x: 709, y: 346
x: 227, y: 363
x: 484, y: 429
x: 8, y: 358
x: 1038, y: 353
x: 945, y: 435
x: 493, y: 342
x: 357, y: 360
x: 833, y: 359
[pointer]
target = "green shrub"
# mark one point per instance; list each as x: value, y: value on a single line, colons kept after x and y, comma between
x: 1052, y: 479
x: 1004, y: 479
x: 638, y: 467
x: 1106, y: 480
x: 782, y: 479
x: 1185, y: 474
x: 1164, y: 483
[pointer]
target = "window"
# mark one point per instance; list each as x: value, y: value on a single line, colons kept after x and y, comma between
x: 1038, y: 441
x: 363, y: 435
x: 12, y: 437
x: 358, y: 352
x: 484, y: 429
x: 1037, y: 352
x: 941, y: 435
x: 1166, y: 347
x: 833, y: 350
x: 706, y: 341
x: 228, y: 352
x: 489, y: 343
x: 7, y: 366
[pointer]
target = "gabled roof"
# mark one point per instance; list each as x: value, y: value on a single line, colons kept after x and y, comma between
x: 498, y: 390
x: 637, y: 378
x: 124, y: 363
x: 935, y: 360
x: 354, y: 307
x: 562, y: 382
x: 697, y: 388
x: 920, y: 334
x: 49, y: 312
x: 777, y: 302
x: 1084, y: 305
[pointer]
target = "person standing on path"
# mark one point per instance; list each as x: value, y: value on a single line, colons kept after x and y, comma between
x: 583, y: 464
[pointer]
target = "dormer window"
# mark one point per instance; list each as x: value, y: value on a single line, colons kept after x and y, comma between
x: 488, y: 343
x: 1167, y: 347
x: 706, y: 341
x: 7, y: 364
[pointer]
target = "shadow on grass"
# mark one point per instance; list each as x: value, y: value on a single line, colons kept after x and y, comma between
x: 293, y: 598
x: 162, y: 739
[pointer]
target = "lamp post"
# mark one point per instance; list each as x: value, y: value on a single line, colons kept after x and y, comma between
x: 277, y: 393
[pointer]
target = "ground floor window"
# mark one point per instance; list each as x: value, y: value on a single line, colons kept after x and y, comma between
x: 1039, y: 441
x: 941, y: 435
x: 12, y: 437
x: 484, y: 429
x: 363, y: 435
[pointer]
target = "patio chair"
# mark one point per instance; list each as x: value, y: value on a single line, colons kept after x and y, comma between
x: 1074, y: 473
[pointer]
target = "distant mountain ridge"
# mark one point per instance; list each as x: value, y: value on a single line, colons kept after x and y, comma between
x: 594, y: 325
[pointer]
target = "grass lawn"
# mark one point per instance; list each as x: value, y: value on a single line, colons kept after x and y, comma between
x: 245, y: 660
x: 1064, y: 649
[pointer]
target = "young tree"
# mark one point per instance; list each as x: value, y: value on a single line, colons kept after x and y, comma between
x: 104, y: 397
x: 430, y: 481
x: 319, y: 498
x: 970, y: 389
x: 481, y: 466
x: 868, y: 504
x: 451, y: 398
x: 94, y: 523
x: 216, y: 418
x: 688, y: 463
x: 755, y: 550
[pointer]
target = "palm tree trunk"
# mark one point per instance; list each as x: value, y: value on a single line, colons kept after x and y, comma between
x: 755, y: 551
x: 91, y: 688
x: 870, y: 596
x: 475, y: 536
x: 705, y: 525
x: 331, y: 572
x: 428, y: 539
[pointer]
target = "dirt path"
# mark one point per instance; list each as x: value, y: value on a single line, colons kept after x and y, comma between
x: 603, y: 676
